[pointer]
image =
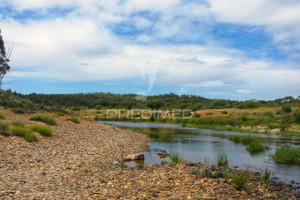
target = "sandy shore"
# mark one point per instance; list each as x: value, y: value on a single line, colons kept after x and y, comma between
x: 79, y: 162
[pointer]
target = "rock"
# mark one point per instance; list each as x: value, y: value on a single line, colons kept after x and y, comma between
x: 137, y: 156
x: 112, y: 128
x: 216, y: 174
x: 203, y: 172
x: 275, y: 178
x: 163, y: 162
x: 43, y: 173
x: 292, y: 182
x: 235, y: 166
x: 162, y: 154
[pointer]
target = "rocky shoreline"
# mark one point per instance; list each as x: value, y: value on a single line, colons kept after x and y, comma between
x: 81, y: 161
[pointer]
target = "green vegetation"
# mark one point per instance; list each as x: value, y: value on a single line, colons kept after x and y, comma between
x: 1, y: 117
x: 224, y: 112
x: 4, y: 128
x: 73, y: 119
x: 266, y: 177
x: 222, y: 159
x: 18, y: 123
x: 18, y: 111
x: 175, y: 158
x: 227, y: 175
x: 253, y: 144
x: 287, y: 155
x: 43, y: 118
x: 26, y: 133
x: 43, y: 130
x: 241, y: 179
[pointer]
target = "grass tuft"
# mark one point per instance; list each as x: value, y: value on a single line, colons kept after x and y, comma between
x: 241, y: 179
x: 175, y: 158
x: 18, y: 123
x: 266, y: 177
x: 287, y: 155
x: 222, y: 159
x: 18, y: 111
x: 26, y: 133
x: 4, y: 129
x: 73, y: 119
x: 43, y: 118
x: 253, y: 143
x: 43, y: 130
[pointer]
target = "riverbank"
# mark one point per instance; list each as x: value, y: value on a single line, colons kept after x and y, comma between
x: 82, y: 161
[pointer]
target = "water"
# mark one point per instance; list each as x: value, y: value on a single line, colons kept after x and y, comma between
x: 203, y: 145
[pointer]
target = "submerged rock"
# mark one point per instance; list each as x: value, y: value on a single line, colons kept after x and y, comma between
x: 137, y: 156
x: 162, y: 154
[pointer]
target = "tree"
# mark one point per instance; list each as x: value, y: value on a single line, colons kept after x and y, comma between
x: 4, y: 67
x: 155, y: 104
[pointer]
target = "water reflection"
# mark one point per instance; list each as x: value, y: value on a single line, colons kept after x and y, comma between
x: 195, y: 145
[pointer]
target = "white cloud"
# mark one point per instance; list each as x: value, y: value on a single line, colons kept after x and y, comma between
x: 82, y: 47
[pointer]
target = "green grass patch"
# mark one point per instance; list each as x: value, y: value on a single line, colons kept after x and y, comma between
x: 287, y: 155
x: 266, y: 177
x: 227, y: 175
x: 73, y: 119
x: 241, y: 179
x: 26, y: 133
x: 4, y: 128
x: 175, y: 158
x: 43, y: 130
x: 43, y: 118
x: 18, y: 123
x: 222, y: 159
x: 253, y: 143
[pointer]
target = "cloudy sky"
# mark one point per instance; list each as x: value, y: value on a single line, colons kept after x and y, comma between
x: 213, y: 48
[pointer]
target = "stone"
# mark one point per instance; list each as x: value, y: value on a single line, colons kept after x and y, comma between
x: 235, y: 166
x: 163, y: 162
x: 112, y: 128
x: 162, y: 154
x: 203, y: 172
x: 132, y: 157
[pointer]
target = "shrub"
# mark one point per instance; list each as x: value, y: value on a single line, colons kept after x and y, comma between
x: 18, y: 111
x: 4, y: 129
x: 26, y: 133
x: 175, y: 158
x: 43, y: 130
x: 43, y: 118
x: 286, y: 109
x: 222, y: 159
x: 287, y: 155
x: 18, y: 123
x: 73, y: 119
x: 266, y: 177
x: 224, y: 112
x: 2, y: 117
x: 297, y: 116
x: 240, y: 180
x: 285, y: 121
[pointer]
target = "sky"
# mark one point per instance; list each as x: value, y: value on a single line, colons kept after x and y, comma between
x: 227, y: 49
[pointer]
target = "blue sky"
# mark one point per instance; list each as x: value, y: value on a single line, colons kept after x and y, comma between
x: 218, y: 49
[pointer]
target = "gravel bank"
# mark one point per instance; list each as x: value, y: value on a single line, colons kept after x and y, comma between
x: 79, y: 162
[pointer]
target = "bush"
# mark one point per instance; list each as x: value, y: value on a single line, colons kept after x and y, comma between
x: 287, y: 155
x: 222, y: 159
x: 26, y: 133
x: 227, y: 175
x: 240, y: 180
x: 4, y: 129
x: 286, y: 109
x: 18, y: 123
x: 18, y: 111
x: 43, y: 130
x: 297, y: 116
x: 285, y: 121
x: 224, y: 112
x: 2, y: 117
x: 73, y: 119
x: 43, y: 118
